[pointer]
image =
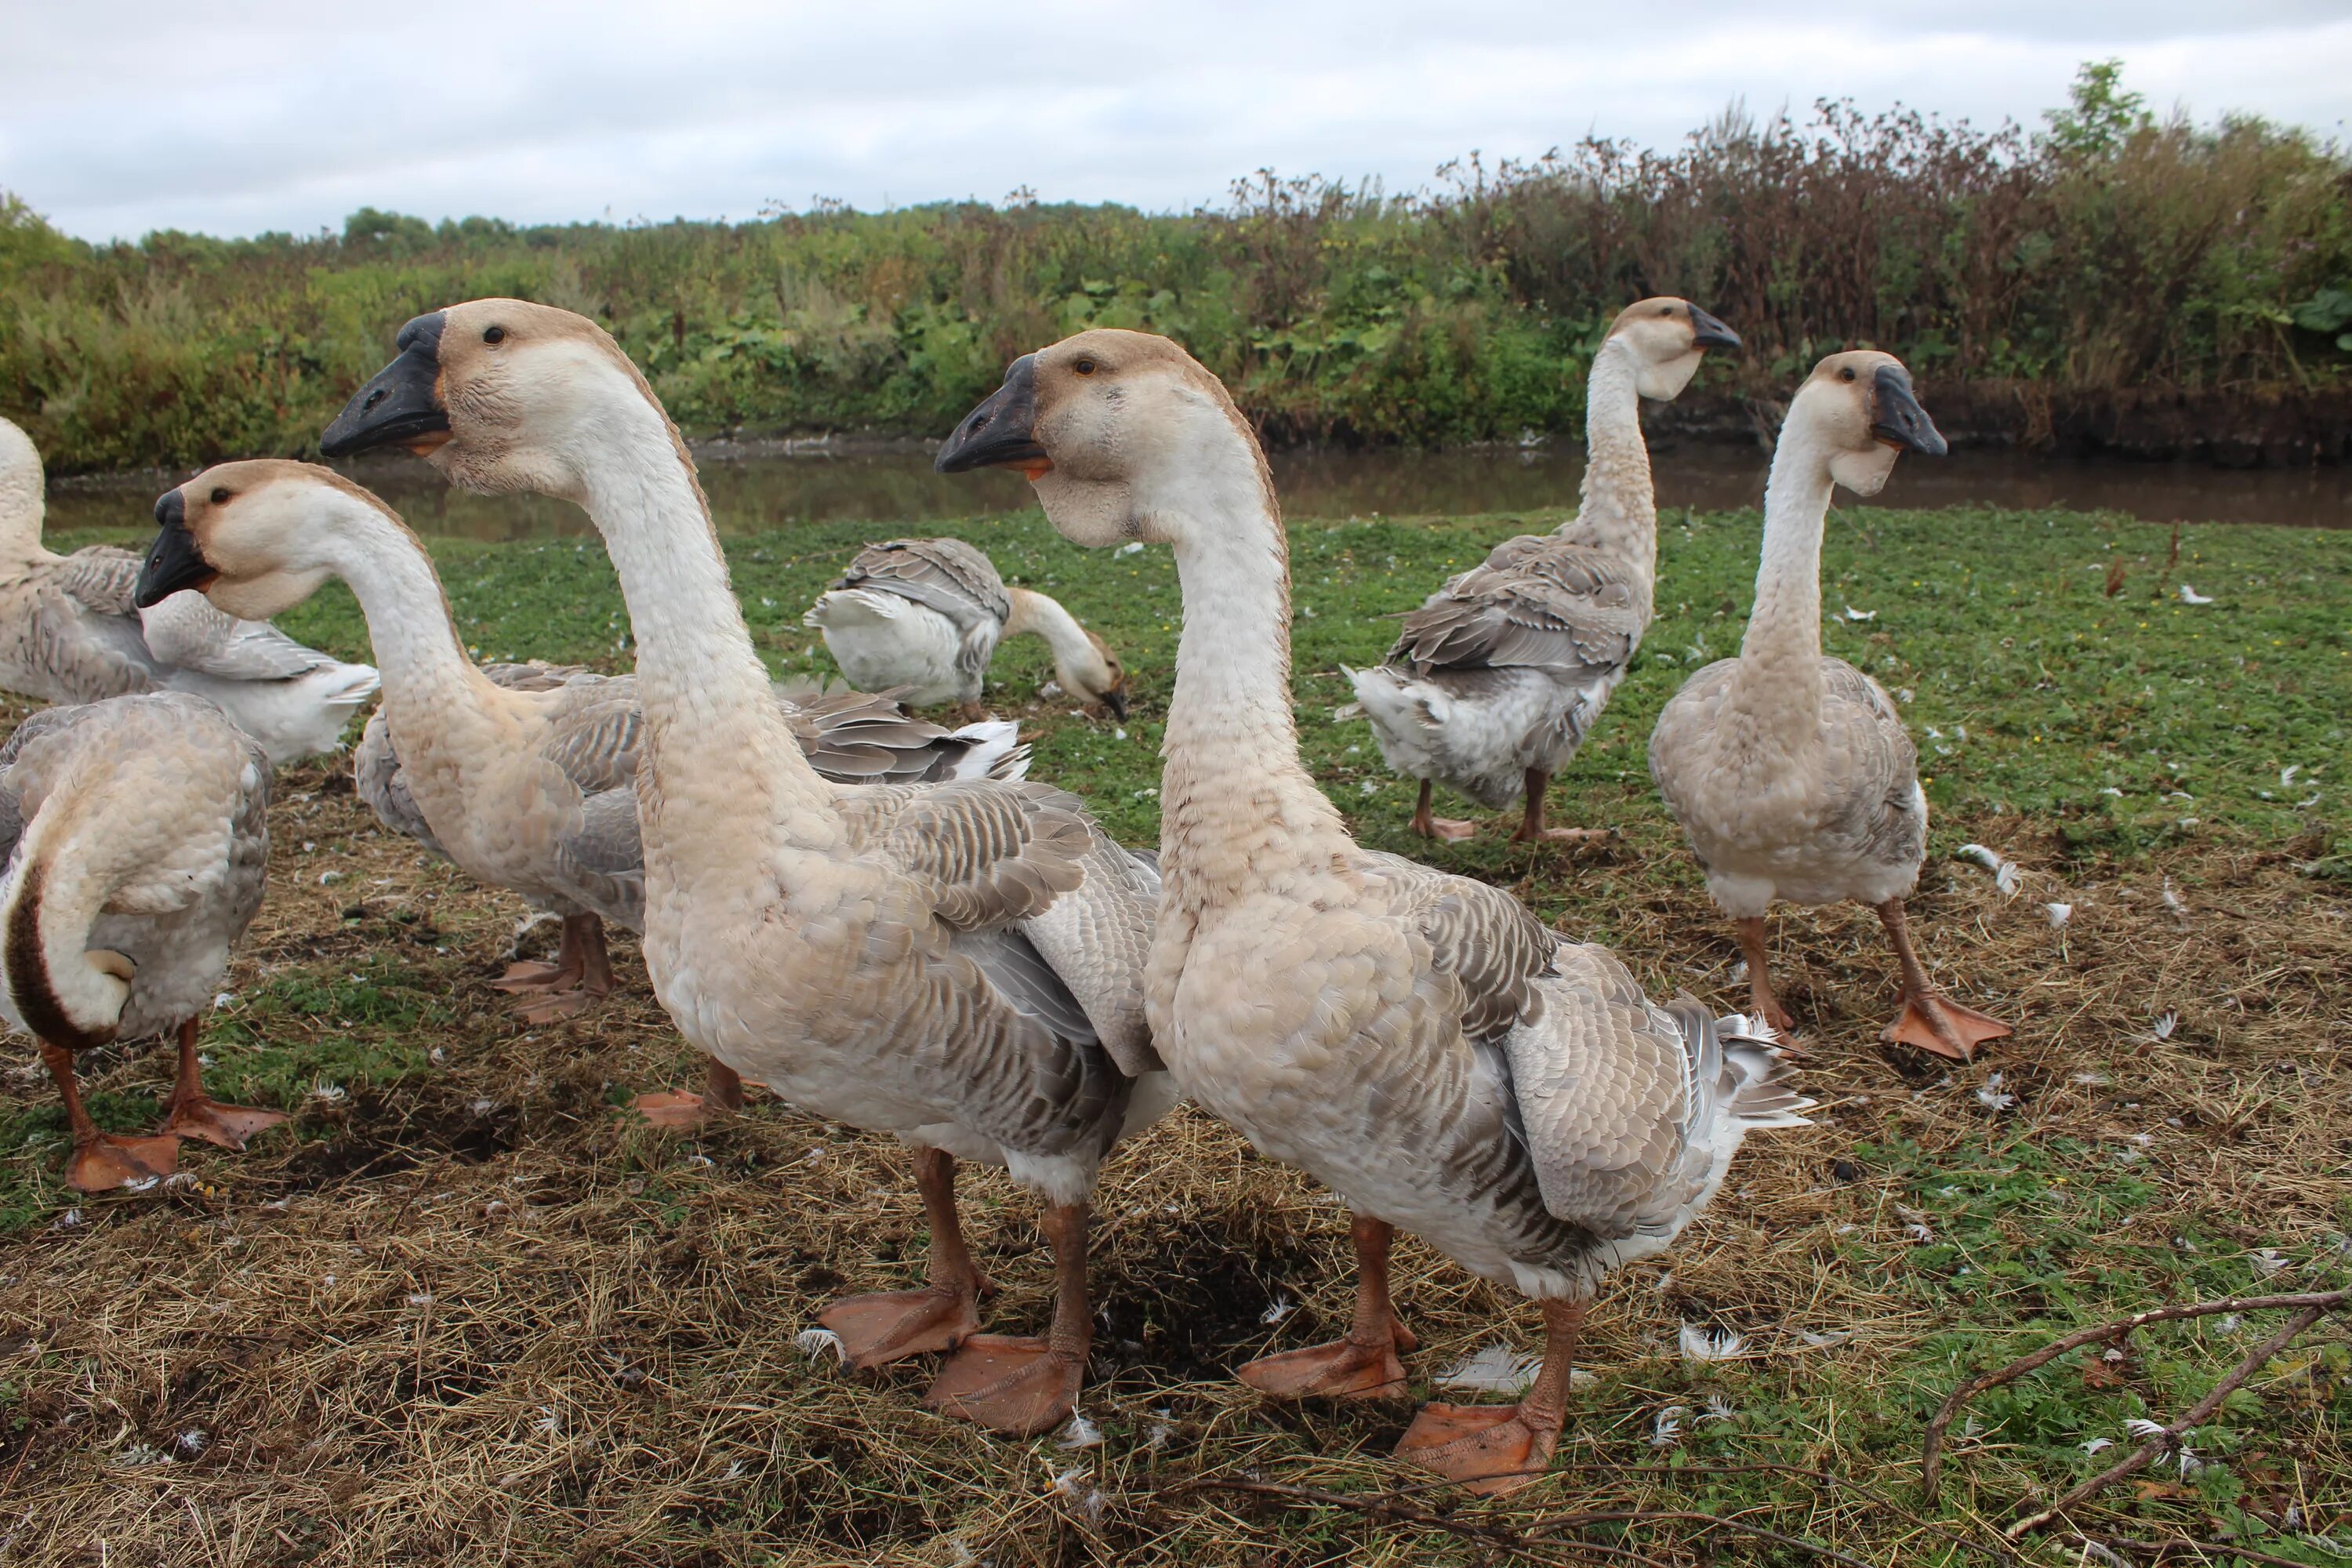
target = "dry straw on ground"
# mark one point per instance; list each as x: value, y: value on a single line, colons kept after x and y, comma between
x: 473, y: 1316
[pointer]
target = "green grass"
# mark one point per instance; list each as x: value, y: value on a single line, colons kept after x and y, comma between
x: 2151, y: 1181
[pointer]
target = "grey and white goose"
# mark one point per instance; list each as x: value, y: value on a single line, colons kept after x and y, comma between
x: 921, y: 618
x: 71, y: 633
x: 1417, y: 1041
x: 525, y: 775
x: 1497, y: 679
x: 1790, y: 771
x: 135, y: 837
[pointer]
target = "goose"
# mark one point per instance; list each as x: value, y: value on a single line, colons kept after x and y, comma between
x: 1417, y: 1041
x: 70, y: 632
x: 136, y: 837
x: 957, y: 963
x: 921, y: 618
x: 1497, y: 680
x: 1791, y: 773
x: 525, y: 775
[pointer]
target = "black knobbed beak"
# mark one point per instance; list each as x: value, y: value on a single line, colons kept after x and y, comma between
x: 173, y: 562
x: 1896, y: 418
x: 401, y: 407
x: 1001, y: 432
x: 1116, y: 700
x: 1706, y: 332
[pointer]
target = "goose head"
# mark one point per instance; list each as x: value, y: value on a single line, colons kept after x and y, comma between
x: 1859, y: 409
x: 499, y: 394
x: 257, y: 537
x: 1094, y: 674
x: 1123, y: 435
x: 22, y: 496
x: 1666, y: 337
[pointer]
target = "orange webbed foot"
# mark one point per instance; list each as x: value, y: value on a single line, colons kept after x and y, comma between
x: 1941, y: 1027
x: 1343, y: 1369
x: 1016, y: 1386
x: 1489, y: 1448
x: 117, y: 1159
x: 892, y: 1325
x: 227, y: 1126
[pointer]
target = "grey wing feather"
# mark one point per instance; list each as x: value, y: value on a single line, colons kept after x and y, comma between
x: 1023, y: 976
x: 987, y: 852
x: 945, y: 574
x: 605, y: 858
x: 1878, y: 765
x: 1552, y: 605
x: 377, y: 779
x: 856, y: 738
x: 84, y: 628
x: 188, y: 632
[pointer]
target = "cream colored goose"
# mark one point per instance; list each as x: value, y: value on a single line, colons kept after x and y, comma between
x: 1417, y: 1041
x: 1791, y: 773
x: 957, y: 963
x: 135, y: 837
x: 1498, y: 678
x: 525, y: 775
x: 921, y: 618
x: 70, y: 632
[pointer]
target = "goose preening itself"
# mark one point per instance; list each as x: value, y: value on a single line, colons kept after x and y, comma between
x: 525, y: 775
x: 136, y: 840
x: 1497, y: 680
x: 1417, y: 1041
x: 1791, y: 773
x: 71, y: 633
x: 920, y: 618
x: 958, y: 964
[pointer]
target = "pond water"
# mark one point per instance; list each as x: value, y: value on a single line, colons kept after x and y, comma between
x: 759, y: 487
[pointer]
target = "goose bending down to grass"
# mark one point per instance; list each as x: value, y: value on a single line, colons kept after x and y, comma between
x: 1497, y: 679
x: 921, y: 618
x: 525, y: 775
x: 71, y: 633
x: 958, y: 964
x: 1791, y: 772
x: 136, y: 837
x: 1417, y: 1041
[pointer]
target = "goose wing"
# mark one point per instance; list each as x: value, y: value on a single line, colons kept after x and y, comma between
x: 377, y: 779
x: 857, y: 738
x: 189, y: 632
x: 1881, y: 813
x: 83, y: 629
x: 945, y: 574
x: 985, y: 853
x: 1549, y: 605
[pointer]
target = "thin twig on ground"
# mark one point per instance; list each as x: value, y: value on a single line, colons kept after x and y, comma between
x: 2113, y: 1544
x: 2163, y: 1440
x: 1932, y: 1453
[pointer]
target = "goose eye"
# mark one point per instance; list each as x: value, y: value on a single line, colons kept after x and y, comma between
x: 1847, y: 375
x: 494, y: 335
x: 1665, y: 309
x: 1083, y: 366
x: 220, y: 494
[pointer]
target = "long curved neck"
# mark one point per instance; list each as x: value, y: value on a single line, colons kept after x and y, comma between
x: 706, y: 694
x: 422, y: 659
x: 1779, y: 683
x: 1618, y: 511
x: 1238, y: 809
x: 1035, y: 615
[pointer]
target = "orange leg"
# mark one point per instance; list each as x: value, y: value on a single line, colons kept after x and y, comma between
x: 723, y: 1093
x: 190, y: 1114
x: 1492, y: 1448
x: 1363, y: 1365
x: 892, y: 1325
x: 1024, y: 1387
x: 582, y: 972
x: 1531, y: 822
x: 1446, y: 827
x: 1930, y: 1020
x: 1760, y: 1000
x: 104, y: 1160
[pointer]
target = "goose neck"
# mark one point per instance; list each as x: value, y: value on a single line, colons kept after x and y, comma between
x: 1617, y: 509
x: 1239, y: 809
x: 417, y: 650
x: 1780, y: 680
x: 1042, y: 616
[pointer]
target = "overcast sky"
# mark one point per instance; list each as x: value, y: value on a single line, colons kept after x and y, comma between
x: 121, y: 116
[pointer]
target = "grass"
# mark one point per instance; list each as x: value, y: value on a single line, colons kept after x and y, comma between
x: 460, y: 1311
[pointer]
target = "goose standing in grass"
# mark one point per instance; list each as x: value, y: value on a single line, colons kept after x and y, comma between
x: 525, y: 775
x: 1417, y: 1041
x: 136, y: 841
x: 70, y: 632
x: 1791, y: 772
x: 921, y: 618
x: 1497, y: 679
x: 957, y: 963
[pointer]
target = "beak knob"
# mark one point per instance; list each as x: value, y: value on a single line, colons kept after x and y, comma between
x: 1001, y: 432
x: 172, y: 562
x: 402, y: 402
x: 1896, y: 418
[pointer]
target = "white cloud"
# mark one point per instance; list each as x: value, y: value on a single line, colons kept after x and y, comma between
x: 126, y: 115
